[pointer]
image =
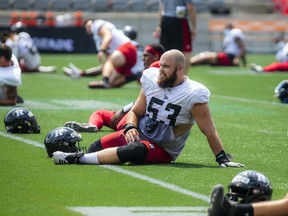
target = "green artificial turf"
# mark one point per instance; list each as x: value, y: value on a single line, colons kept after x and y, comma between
x: 251, y: 122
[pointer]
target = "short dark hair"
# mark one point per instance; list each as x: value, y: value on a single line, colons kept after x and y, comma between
x: 86, y: 21
x: 158, y: 47
x: 6, y: 52
x: 4, y: 35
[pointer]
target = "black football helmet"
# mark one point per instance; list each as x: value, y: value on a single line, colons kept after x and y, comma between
x: 21, y: 120
x: 130, y: 31
x: 281, y: 91
x: 63, y: 139
x: 249, y: 186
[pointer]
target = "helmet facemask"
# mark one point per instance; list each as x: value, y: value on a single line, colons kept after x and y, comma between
x: 249, y: 187
x: 21, y: 120
x: 63, y: 139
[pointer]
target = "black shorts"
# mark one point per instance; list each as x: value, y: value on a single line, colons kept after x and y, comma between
x: 175, y: 34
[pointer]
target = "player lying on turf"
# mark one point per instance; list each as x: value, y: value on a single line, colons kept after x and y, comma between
x: 234, y: 50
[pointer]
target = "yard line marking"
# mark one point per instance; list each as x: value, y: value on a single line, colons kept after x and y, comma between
x: 123, y: 171
x: 160, y: 183
x: 94, y: 105
x: 141, y: 211
x: 21, y: 139
x: 249, y: 100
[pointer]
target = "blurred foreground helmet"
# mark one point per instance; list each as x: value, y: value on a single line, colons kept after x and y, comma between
x: 130, y: 32
x: 281, y: 91
x: 249, y: 186
x: 21, y: 120
x: 62, y: 139
x: 18, y: 27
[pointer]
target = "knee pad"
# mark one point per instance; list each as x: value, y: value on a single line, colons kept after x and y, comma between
x: 94, y: 147
x: 135, y: 152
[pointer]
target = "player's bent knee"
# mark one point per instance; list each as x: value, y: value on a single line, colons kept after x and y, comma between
x: 135, y: 152
x: 94, y: 147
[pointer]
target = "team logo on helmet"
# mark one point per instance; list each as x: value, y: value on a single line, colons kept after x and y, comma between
x: 21, y: 120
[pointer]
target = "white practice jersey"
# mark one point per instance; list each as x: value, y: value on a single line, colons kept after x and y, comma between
x: 282, y: 54
x: 229, y: 44
x: 10, y: 75
x: 167, y: 108
x: 139, y: 65
x: 118, y: 37
x: 23, y: 48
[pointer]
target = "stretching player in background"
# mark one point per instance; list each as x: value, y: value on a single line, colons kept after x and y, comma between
x: 116, y: 120
x: 23, y: 48
x: 10, y: 76
x: 281, y: 56
x: 234, y: 50
x: 137, y: 69
x: 116, y: 52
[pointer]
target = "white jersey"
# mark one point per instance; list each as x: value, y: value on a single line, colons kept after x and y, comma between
x: 23, y: 48
x: 118, y: 37
x: 229, y: 44
x: 139, y: 65
x: 167, y: 108
x: 282, y: 54
x: 10, y: 75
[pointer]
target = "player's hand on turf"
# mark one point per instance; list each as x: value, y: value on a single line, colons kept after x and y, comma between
x: 224, y: 160
x: 231, y: 164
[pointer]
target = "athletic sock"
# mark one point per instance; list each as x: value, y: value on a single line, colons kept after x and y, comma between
x: 89, y: 158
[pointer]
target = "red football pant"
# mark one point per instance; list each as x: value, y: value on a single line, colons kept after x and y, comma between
x: 276, y: 66
x: 102, y: 118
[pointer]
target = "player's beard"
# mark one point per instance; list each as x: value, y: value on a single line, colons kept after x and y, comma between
x: 164, y: 81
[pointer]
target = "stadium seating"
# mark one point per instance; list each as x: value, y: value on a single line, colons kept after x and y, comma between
x: 99, y: 6
x: 219, y: 7
x: 61, y: 5
x: 83, y: 5
x: 138, y: 5
x: 153, y: 5
x: 42, y: 5
x: 20, y: 4
x: 5, y: 4
x: 120, y: 5
x: 202, y: 6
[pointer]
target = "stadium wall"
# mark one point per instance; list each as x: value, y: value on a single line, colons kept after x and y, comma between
x: 260, y: 30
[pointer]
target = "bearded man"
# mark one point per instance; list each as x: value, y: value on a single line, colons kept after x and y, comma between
x: 159, y: 123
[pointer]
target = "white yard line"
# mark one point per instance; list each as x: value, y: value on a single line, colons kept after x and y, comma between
x: 94, y: 104
x: 248, y: 100
x: 141, y: 211
x: 123, y: 171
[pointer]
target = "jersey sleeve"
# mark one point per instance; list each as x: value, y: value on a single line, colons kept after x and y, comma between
x: 149, y: 77
x: 96, y: 25
x: 200, y: 95
x: 11, y: 75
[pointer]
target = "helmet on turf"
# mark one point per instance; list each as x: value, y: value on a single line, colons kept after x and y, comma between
x: 130, y: 31
x: 62, y: 139
x: 249, y: 186
x: 18, y: 27
x: 21, y: 120
x: 281, y: 91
